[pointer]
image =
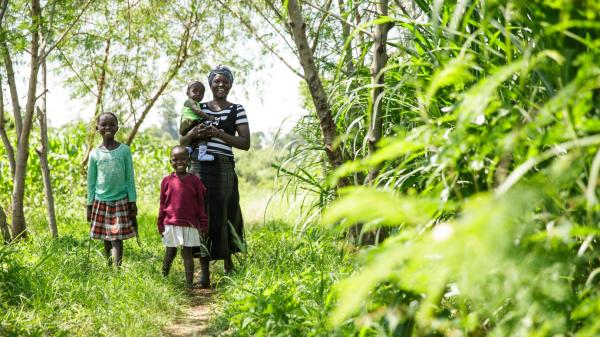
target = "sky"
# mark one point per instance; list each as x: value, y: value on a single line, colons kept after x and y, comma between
x: 270, y: 97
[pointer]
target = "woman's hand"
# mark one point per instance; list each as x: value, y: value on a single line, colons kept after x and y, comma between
x: 213, y: 131
x: 200, y: 131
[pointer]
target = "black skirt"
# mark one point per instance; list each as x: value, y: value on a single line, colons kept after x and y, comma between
x: 225, y: 222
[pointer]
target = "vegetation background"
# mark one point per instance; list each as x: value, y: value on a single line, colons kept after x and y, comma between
x: 445, y: 182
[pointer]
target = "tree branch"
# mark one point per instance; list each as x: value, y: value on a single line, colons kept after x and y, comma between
x: 259, y: 38
x: 334, y: 15
x: 5, y: 140
x: 318, y: 30
x: 64, y: 34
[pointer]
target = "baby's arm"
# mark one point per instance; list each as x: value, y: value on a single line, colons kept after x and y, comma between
x: 192, y: 105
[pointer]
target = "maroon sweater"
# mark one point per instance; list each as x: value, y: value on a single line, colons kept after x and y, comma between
x: 182, y: 202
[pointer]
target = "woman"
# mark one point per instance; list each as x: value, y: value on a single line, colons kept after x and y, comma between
x: 225, y: 232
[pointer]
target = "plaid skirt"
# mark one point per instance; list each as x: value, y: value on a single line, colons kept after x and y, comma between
x: 111, y: 220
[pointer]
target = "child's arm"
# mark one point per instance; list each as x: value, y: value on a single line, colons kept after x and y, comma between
x: 202, y: 217
x: 130, y: 178
x: 192, y: 105
x: 161, y: 208
x: 91, y: 185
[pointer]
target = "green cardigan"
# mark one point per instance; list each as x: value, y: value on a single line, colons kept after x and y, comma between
x: 110, y: 175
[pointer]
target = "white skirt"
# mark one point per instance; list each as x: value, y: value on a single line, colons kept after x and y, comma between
x: 175, y: 236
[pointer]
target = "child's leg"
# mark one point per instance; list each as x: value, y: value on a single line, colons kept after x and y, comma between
x: 117, y: 252
x: 170, y: 253
x: 188, y: 265
x: 107, y: 251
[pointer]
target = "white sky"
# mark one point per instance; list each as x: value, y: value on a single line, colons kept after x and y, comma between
x: 272, y: 100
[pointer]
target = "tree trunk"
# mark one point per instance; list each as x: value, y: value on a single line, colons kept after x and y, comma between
x: 99, y: 100
x: 311, y: 75
x: 19, y: 226
x: 380, y: 58
x: 4, y: 227
x: 42, y: 152
x: 10, y: 151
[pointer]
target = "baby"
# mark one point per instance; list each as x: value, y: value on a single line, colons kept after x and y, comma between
x: 193, y: 115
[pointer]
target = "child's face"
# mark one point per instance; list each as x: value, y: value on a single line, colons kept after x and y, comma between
x: 196, y: 92
x: 179, y: 160
x: 107, y: 126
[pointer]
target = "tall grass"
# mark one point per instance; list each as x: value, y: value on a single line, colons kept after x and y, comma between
x: 489, y: 173
x: 284, y: 285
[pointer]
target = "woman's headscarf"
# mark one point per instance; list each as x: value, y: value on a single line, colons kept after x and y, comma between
x: 220, y: 70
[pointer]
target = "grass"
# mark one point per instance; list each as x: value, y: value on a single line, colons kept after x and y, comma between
x: 63, y: 287
x: 284, y: 286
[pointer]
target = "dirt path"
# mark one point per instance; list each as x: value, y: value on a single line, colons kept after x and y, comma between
x: 194, y: 321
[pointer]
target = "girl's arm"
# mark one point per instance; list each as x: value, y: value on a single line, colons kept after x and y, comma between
x: 91, y: 185
x: 241, y: 141
x: 130, y: 178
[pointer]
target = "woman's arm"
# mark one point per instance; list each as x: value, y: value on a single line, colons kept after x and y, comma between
x: 200, y: 131
x: 241, y: 141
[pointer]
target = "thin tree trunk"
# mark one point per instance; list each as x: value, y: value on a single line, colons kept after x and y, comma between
x: 12, y: 86
x: 311, y: 75
x: 182, y: 56
x: 99, y: 100
x: 10, y: 151
x: 4, y: 227
x: 345, y: 37
x: 19, y: 226
x: 380, y: 58
x: 42, y: 152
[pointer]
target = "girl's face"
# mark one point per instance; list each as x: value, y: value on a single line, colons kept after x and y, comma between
x: 107, y: 126
x: 179, y: 160
x: 220, y: 86
x: 196, y: 92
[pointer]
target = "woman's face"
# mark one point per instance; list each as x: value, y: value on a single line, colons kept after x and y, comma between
x: 220, y: 86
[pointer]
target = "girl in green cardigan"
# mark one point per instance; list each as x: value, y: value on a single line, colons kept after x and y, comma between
x: 111, y: 207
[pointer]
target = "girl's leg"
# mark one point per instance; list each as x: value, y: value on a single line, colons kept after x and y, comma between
x: 117, y: 252
x: 170, y: 253
x: 188, y: 265
x: 107, y: 251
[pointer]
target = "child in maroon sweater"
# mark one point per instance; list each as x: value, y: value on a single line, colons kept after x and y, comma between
x: 182, y: 215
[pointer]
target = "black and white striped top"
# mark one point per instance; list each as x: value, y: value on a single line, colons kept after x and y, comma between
x: 215, y: 145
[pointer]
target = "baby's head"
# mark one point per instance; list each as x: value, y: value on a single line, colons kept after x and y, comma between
x: 195, y: 91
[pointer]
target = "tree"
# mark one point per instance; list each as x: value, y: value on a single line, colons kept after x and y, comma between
x: 24, y: 123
